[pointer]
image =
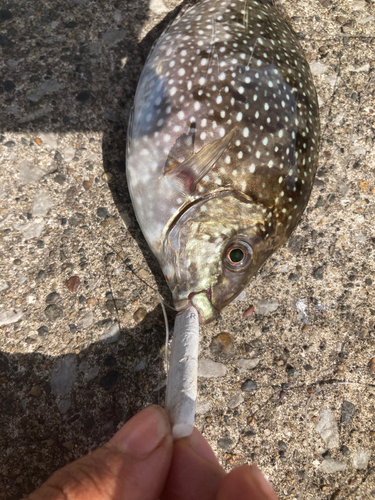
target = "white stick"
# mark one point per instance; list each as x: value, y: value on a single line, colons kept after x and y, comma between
x: 181, y: 395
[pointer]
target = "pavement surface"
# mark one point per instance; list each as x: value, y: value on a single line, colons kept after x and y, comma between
x: 81, y: 332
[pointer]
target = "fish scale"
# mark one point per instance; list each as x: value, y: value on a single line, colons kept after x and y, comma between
x: 222, y: 147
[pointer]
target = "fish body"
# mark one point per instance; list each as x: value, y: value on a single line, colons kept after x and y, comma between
x: 222, y: 147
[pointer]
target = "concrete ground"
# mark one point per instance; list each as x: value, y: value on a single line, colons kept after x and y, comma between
x: 293, y: 386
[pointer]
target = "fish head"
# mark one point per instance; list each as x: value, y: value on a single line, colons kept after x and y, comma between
x: 212, y: 249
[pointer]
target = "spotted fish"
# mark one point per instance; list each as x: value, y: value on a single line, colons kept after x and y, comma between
x: 222, y: 147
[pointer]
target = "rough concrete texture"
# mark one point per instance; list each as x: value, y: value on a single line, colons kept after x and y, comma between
x: 82, y: 336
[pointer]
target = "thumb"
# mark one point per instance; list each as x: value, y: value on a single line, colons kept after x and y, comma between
x: 133, y: 465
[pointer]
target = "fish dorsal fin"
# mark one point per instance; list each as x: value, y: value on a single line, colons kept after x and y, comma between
x: 191, y: 171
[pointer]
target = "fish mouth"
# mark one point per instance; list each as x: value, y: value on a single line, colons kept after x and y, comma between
x: 201, y: 300
x: 207, y: 292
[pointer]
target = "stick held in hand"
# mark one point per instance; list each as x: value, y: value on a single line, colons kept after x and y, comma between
x: 181, y: 392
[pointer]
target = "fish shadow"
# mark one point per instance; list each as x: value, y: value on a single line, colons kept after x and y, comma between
x: 114, y: 147
x: 54, y: 409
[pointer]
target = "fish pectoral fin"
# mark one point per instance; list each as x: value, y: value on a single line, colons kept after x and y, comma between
x: 191, y: 171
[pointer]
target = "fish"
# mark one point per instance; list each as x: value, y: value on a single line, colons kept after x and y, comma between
x: 222, y: 147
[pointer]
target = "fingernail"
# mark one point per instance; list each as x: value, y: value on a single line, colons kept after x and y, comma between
x: 143, y: 433
x: 262, y: 484
x: 201, y: 447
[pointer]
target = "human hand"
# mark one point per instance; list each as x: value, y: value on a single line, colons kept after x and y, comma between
x: 141, y: 462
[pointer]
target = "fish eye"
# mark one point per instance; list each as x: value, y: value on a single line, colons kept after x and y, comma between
x: 238, y: 255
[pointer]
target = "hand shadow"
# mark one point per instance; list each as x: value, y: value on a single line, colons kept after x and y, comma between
x: 73, y: 67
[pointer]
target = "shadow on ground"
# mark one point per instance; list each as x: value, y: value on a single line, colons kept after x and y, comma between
x: 54, y: 409
x: 73, y: 67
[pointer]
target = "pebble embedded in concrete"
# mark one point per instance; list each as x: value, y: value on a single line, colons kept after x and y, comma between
x: 202, y: 407
x: 330, y: 465
x: 249, y: 386
x: 264, y: 307
x: 30, y: 229
x: 85, y: 321
x: 211, y: 369
x: 10, y: 316
x: 63, y: 405
x: 347, y: 412
x: 73, y: 283
x: 53, y: 298
x: 113, y: 37
x: 361, y: 458
x: 112, y: 334
x: 102, y: 212
x: 53, y: 312
x: 28, y: 173
x: 158, y: 7
x: 140, y: 366
x: 47, y: 86
x: 42, y: 203
x: 68, y: 153
x: 225, y: 443
x: 90, y: 372
x: 49, y: 138
x: 64, y: 374
x: 318, y: 68
x: 327, y: 428
x: 43, y: 331
x: 140, y: 314
x: 36, y: 391
x: 4, y: 287
x: 345, y: 450
x: 235, y: 400
x: 222, y: 345
x: 247, y: 364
